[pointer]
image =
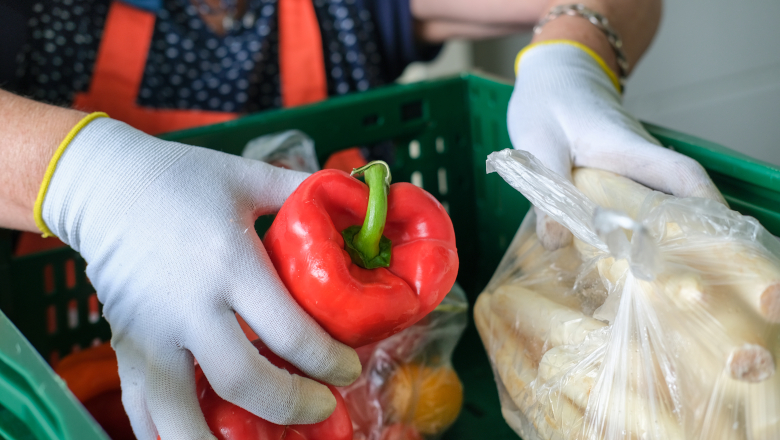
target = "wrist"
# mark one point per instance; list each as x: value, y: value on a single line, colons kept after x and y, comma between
x: 634, y: 22
x: 581, y: 31
x: 564, y: 57
x: 100, y: 174
x: 31, y: 133
x: 51, y: 167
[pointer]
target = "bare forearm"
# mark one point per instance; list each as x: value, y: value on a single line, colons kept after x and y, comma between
x: 636, y: 21
x: 439, y: 31
x: 483, y: 12
x: 30, y: 134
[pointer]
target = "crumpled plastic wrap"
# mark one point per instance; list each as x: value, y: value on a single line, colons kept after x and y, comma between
x: 660, y: 321
x: 291, y: 149
x: 408, y: 389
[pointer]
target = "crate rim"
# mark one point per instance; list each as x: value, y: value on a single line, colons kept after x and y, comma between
x: 712, y: 155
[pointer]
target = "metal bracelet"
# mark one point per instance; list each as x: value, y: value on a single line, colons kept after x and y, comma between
x: 598, y: 20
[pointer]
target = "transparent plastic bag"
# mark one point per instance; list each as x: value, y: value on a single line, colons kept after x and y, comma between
x: 408, y: 389
x: 291, y: 149
x: 660, y: 321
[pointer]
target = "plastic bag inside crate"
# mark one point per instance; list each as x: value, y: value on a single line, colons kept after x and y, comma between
x: 408, y: 389
x: 660, y: 320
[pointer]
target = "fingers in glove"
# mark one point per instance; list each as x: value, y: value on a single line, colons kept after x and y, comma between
x: 552, y: 235
x: 132, y: 369
x: 546, y: 142
x: 549, y: 145
x: 270, y: 186
x: 171, y: 396
x: 269, y: 309
x: 240, y: 375
x: 651, y: 165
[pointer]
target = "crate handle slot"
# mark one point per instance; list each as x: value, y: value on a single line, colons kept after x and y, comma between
x: 48, y: 279
x: 442, y: 175
x: 440, y: 145
x: 94, y: 309
x: 414, y: 149
x: 417, y: 179
x: 51, y: 319
x: 73, y: 314
x: 70, y: 273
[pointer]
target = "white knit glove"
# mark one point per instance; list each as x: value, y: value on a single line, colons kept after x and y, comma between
x: 566, y: 111
x: 168, y: 233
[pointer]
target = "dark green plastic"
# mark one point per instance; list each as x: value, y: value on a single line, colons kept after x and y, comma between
x: 454, y: 123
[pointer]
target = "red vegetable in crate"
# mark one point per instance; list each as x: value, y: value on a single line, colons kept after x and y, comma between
x: 366, y: 288
x: 230, y: 422
x: 360, y: 285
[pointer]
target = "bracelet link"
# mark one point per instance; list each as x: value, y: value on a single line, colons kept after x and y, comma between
x: 598, y: 20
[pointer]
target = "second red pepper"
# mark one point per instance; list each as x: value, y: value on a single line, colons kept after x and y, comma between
x: 230, y: 422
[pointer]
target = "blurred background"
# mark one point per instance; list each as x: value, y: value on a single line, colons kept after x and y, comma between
x: 713, y: 71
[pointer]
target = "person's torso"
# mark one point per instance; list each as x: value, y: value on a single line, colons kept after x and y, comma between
x: 188, y: 65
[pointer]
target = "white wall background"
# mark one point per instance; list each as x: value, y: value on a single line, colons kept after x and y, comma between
x: 455, y: 57
x: 713, y: 71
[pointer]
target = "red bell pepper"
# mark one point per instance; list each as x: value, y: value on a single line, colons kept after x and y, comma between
x: 363, y: 284
x: 231, y: 422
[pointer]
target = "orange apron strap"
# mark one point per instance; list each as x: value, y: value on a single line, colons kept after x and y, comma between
x: 121, y: 58
x: 301, y: 61
x: 118, y: 72
x: 302, y: 68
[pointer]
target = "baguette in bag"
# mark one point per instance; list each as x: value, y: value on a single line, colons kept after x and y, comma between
x: 660, y: 321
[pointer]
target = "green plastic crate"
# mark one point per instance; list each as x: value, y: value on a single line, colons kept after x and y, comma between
x: 442, y: 132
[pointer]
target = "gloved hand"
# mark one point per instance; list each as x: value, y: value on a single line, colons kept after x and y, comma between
x: 168, y: 233
x: 567, y: 111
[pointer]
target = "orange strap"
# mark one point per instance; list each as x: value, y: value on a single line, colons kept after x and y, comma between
x: 123, y: 51
x: 301, y: 61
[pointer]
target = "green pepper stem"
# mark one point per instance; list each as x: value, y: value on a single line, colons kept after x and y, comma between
x: 377, y: 175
